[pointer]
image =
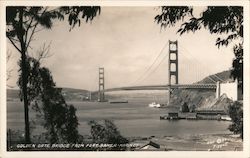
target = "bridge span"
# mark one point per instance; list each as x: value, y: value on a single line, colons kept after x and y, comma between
x: 164, y: 87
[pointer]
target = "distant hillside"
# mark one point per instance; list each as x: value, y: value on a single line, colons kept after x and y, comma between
x: 12, y: 94
x: 225, y: 76
x: 68, y: 93
x: 202, y: 98
x: 75, y: 94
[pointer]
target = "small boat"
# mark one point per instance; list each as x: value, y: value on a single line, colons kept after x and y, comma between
x: 154, y: 105
x: 225, y: 118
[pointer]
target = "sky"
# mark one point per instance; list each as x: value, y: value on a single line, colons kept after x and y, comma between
x: 125, y: 41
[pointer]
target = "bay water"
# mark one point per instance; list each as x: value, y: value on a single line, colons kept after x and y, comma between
x: 133, y: 119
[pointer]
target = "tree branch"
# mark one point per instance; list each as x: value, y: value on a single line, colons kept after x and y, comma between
x: 26, y: 32
x: 44, y: 52
x: 32, y: 32
x: 14, y: 44
x: 13, y: 39
x: 31, y: 35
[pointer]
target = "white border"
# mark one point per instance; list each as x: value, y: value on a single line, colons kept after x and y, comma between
x: 188, y: 154
x: 3, y: 78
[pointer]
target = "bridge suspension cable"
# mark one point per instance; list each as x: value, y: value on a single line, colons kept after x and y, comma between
x: 155, y: 68
x: 152, y: 68
x: 188, y: 67
x: 206, y: 68
x: 142, y: 76
x: 94, y: 82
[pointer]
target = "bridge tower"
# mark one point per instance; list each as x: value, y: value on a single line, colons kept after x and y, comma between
x: 172, y: 66
x: 173, y: 62
x: 101, y: 85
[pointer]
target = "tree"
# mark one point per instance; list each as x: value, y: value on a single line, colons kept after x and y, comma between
x: 222, y: 20
x: 236, y: 113
x: 237, y: 70
x: 107, y: 134
x: 23, y: 22
x: 59, y: 118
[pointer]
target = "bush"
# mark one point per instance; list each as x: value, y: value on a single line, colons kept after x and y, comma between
x: 236, y: 113
x: 107, y: 134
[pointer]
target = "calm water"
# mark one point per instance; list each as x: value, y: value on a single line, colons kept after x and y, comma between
x: 133, y: 119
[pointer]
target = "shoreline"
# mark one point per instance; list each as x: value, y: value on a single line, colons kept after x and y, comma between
x: 197, y: 142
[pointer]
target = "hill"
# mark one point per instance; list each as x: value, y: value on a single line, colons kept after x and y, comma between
x: 68, y: 93
x: 75, y: 94
x: 203, y: 99
x: 224, y: 76
x: 12, y: 94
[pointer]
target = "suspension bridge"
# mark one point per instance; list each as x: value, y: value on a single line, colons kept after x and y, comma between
x: 173, y: 77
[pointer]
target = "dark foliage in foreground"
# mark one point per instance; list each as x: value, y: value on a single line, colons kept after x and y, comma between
x: 60, y: 119
x: 236, y: 114
x: 107, y: 134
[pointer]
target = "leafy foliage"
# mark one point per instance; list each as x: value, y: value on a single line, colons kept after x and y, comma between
x: 216, y: 19
x: 60, y: 119
x: 76, y: 13
x: 171, y: 14
x: 23, y: 21
x: 237, y: 70
x: 236, y: 114
x: 107, y: 133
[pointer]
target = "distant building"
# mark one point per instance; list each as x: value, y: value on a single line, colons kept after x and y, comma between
x: 231, y: 89
x: 150, y: 146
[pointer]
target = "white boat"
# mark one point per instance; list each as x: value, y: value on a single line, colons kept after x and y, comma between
x: 225, y: 118
x: 154, y: 105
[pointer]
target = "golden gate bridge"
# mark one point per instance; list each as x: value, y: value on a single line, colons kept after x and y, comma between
x: 173, y: 78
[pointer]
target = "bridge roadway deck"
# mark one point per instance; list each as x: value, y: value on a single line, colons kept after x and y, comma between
x: 165, y: 87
